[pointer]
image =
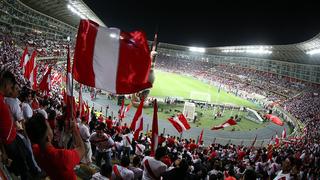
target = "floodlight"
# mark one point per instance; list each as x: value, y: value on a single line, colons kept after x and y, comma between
x: 197, y: 49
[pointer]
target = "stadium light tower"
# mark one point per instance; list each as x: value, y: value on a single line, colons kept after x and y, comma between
x: 197, y: 49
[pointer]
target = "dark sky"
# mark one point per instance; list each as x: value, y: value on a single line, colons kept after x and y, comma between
x: 214, y: 23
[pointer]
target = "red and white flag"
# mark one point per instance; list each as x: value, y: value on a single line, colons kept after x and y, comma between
x: 33, y: 78
x: 109, y: 59
x: 180, y: 123
x: 137, y: 122
x: 30, y: 65
x: 45, y: 82
x: 229, y: 122
x: 24, y: 58
x: 284, y: 134
x: 200, y: 137
x: 124, y: 110
x: 56, y: 79
x: 154, y: 137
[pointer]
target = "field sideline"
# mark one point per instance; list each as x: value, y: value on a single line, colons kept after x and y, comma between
x: 175, y: 85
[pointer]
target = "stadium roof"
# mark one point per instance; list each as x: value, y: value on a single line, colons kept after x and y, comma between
x: 68, y: 11
x: 307, y: 52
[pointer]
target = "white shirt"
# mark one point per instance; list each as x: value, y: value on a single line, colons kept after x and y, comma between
x: 126, y: 138
x: 26, y: 110
x: 43, y: 112
x: 84, y: 132
x: 140, y: 149
x: 103, y: 143
x: 125, y: 173
x: 156, y: 166
x: 14, y: 105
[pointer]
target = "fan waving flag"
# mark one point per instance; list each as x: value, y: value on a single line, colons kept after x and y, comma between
x: 45, y: 82
x: 180, y: 123
x: 137, y: 122
x: 109, y: 59
x: 229, y: 122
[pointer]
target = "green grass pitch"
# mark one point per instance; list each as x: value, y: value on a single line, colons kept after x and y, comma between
x: 175, y: 85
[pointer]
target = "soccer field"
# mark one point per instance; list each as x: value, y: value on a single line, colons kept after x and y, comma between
x: 205, y: 117
x: 175, y: 85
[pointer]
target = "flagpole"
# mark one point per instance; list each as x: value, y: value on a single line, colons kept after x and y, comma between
x: 71, y: 85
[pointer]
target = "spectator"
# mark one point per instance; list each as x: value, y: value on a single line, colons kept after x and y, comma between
x: 57, y: 163
x: 121, y: 171
x: 153, y: 167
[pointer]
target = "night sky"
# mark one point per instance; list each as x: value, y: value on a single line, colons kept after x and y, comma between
x: 214, y: 23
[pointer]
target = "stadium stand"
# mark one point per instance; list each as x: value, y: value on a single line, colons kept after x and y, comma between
x: 284, y: 83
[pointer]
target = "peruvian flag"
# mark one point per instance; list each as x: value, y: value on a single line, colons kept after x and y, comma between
x: 137, y: 122
x: 30, y: 65
x: 109, y: 59
x: 229, y: 122
x: 284, y: 134
x: 24, y: 58
x: 154, y: 137
x: 56, y: 78
x: 45, y: 82
x: 200, y: 137
x: 180, y: 123
x: 124, y: 110
x: 33, y: 78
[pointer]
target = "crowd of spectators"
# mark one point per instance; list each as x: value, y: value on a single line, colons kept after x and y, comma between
x: 39, y: 131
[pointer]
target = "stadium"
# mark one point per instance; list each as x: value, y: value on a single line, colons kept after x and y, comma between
x: 206, y: 85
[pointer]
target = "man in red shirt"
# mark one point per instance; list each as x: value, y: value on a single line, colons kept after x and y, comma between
x: 109, y: 123
x: 100, y: 119
x: 193, y: 145
x: 7, y: 125
x: 57, y: 163
x: 161, y: 139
